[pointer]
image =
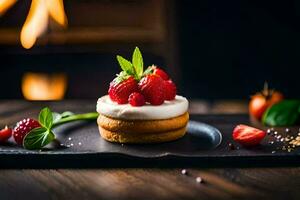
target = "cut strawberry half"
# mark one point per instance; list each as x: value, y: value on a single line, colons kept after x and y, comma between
x: 247, y: 135
x: 5, y: 134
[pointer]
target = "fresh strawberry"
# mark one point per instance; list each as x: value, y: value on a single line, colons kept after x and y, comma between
x: 153, y: 89
x: 161, y: 73
x: 5, y: 134
x: 170, y: 90
x: 23, y: 127
x: 247, y: 135
x: 157, y: 71
x: 136, y: 99
x: 119, y: 90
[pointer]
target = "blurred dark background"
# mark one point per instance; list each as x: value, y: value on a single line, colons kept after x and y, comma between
x: 213, y: 49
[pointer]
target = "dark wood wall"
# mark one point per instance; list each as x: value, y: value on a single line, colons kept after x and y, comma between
x: 213, y: 48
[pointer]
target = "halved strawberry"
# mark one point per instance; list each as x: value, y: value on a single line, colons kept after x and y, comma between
x: 5, y: 134
x: 153, y: 89
x: 247, y: 135
x: 170, y: 92
x: 119, y: 90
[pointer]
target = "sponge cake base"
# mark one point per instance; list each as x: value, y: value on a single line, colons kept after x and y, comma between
x: 142, y: 131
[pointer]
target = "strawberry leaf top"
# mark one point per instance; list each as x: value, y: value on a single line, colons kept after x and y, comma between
x: 149, y: 70
x: 122, y: 76
x: 135, y: 69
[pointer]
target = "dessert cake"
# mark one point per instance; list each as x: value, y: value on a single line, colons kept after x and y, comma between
x: 142, y: 106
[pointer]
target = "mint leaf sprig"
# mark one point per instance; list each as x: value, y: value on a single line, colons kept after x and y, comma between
x: 39, y: 137
x: 134, y: 68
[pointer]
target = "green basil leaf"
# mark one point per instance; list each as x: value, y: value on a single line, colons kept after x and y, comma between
x: 284, y: 113
x: 46, y: 118
x: 38, y: 138
x: 126, y: 65
x: 137, y: 61
x: 56, y: 117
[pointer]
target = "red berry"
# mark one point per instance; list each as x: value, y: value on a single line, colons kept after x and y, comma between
x: 160, y: 73
x: 5, y: 134
x: 119, y: 92
x: 170, y: 92
x: 153, y: 89
x: 247, y: 135
x: 136, y: 99
x: 23, y: 127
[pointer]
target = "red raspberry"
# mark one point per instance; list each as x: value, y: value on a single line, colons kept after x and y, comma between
x: 5, y: 134
x: 170, y: 91
x: 160, y: 73
x: 23, y: 127
x: 153, y: 89
x: 119, y: 92
x: 136, y: 99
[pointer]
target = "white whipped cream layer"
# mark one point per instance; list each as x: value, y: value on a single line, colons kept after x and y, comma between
x: 168, y: 109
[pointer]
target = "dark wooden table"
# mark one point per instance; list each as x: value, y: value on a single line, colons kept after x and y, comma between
x: 143, y: 183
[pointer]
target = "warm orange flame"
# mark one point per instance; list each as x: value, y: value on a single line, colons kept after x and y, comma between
x: 41, y: 86
x: 5, y: 5
x: 35, y: 24
x: 37, y: 20
x: 57, y: 12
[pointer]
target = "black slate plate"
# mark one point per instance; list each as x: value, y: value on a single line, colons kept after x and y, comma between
x: 83, y: 147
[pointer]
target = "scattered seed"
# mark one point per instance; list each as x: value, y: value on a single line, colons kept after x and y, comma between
x: 69, y: 138
x: 273, y: 151
x: 275, y: 132
x: 79, y: 143
x: 199, y: 179
x: 184, y: 172
x: 72, y: 144
x: 283, y: 148
x: 231, y: 146
x: 271, y: 142
x: 278, y: 137
x: 287, y: 130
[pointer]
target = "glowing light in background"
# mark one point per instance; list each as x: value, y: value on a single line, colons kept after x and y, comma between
x: 38, y: 18
x: 42, y: 86
x: 5, y: 5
